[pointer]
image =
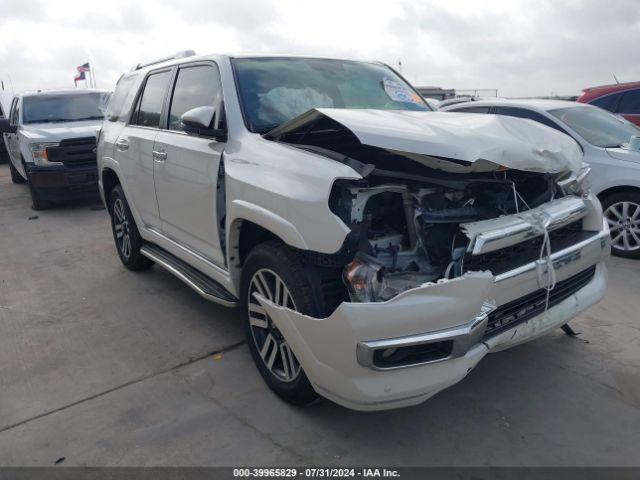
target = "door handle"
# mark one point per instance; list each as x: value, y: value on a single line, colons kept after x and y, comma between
x: 159, y: 156
x: 122, y: 144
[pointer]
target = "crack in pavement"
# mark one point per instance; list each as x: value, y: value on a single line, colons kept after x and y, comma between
x: 191, y: 361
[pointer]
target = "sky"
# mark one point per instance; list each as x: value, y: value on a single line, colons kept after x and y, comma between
x: 519, y: 47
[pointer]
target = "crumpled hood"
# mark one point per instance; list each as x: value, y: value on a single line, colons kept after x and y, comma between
x: 469, y: 137
x: 54, y: 132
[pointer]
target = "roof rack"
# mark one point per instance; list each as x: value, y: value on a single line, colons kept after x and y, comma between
x: 182, y: 54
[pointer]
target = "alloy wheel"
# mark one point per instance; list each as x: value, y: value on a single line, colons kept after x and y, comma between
x: 624, y: 222
x: 275, y: 352
x: 121, y: 227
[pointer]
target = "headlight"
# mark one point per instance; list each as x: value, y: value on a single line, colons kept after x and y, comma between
x: 364, y: 278
x: 575, y: 184
x: 39, y: 153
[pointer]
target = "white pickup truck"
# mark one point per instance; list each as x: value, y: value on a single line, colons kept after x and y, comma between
x: 50, y: 137
x: 378, y: 250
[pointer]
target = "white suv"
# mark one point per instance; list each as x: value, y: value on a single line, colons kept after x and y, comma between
x: 378, y: 250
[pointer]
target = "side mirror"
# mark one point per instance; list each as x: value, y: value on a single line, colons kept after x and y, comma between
x: 198, y: 120
x: 6, y: 127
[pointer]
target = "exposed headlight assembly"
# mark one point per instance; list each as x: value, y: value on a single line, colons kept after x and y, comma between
x: 575, y: 184
x: 39, y: 153
x: 364, y: 278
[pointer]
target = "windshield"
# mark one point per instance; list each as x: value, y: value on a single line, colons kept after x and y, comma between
x: 64, y: 108
x: 275, y: 90
x: 596, y: 126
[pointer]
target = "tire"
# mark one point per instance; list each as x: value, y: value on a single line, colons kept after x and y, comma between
x: 125, y: 232
x: 15, y: 174
x: 37, y: 202
x: 622, y: 212
x: 268, y: 263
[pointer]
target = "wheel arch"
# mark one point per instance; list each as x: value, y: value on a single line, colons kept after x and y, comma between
x: 617, y: 189
x: 110, y: 180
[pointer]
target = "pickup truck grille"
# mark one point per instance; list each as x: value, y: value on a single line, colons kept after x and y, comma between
x: 513, y: 313
x: 508, y: 258
x: 74, y: 152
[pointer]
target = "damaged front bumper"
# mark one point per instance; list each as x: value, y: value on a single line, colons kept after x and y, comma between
x: 447, y: 327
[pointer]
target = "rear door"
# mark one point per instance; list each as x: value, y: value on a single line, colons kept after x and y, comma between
x: 629, y: 106
x: 134, y: 146
x: 187, y: 164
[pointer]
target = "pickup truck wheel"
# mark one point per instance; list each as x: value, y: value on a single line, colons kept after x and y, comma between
x: 274, y: 271
x: 622, y: 212
x: 15, y: 174
x: 125, y: 233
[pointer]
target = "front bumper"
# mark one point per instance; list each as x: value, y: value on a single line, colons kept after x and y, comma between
x: 59, y: 182
x: 337, y: 352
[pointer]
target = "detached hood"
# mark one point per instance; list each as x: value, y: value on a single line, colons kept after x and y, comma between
x: 461, y: 139
x: 55, y: 132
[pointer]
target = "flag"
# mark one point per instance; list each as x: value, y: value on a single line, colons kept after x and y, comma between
x: 81, y: 71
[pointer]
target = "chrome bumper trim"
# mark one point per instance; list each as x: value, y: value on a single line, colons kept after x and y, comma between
x: 463, y: 337
x: 490, y: 235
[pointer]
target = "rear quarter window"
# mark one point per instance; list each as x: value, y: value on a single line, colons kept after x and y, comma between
x: 120, y: 103
x: 630, y: 102
x: 607, y: 102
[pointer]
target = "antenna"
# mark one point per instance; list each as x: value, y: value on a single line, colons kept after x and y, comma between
x: 614, y: 77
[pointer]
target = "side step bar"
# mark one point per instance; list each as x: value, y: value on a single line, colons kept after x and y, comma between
x: 203, y: 285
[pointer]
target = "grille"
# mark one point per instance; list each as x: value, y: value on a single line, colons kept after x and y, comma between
x: 528, y: 251
x: 74, y: 152
x: 524, y: 308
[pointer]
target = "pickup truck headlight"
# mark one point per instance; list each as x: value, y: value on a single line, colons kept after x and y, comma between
x: 39, y: 153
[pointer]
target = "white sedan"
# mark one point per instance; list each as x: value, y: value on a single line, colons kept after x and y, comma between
x: 604, y: 138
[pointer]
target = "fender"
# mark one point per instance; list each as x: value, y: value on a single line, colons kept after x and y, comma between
x: 242, y: 210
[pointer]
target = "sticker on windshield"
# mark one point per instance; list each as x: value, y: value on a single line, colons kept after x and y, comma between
x: 399, y: 92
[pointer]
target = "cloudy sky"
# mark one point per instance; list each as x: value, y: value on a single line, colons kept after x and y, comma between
x: 520, y: 47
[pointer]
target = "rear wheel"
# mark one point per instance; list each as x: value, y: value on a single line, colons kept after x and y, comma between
x: 273, y: 271
x: 125, y: 233
x: 15, y: 174
x: 622, y: 213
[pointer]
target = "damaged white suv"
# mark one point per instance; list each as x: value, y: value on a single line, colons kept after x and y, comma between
x: 378, y: 250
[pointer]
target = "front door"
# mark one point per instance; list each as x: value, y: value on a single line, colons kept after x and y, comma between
x: 186, y: 165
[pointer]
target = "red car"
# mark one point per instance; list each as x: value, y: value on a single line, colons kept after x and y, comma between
x: 620, y: 98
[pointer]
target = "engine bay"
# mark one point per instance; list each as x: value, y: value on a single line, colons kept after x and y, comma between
x: 410, y: 232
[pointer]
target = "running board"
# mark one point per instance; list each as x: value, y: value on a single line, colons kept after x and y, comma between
x: 203, y: 285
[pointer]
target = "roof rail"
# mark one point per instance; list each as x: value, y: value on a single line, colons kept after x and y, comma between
x: 182, y: 54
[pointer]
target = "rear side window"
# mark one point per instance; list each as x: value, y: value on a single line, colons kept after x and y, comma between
x: 118, y: 106
x: 472, y: 110
x: 196, y: 86
x: 151, y: 101
x: 529, y: 114
x: 630, y: 102
x: 608, y: 102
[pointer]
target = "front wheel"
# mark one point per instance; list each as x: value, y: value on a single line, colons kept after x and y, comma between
x: 125, y: 233
x: 622, y: 212
x: 15, y: 174
x: 273, y: 271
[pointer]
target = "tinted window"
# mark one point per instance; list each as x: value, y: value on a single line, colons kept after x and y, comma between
x: 275, y: 90
x: 63, y: 108
x: 150, y: 105
x: 472, y: 110
x: 195, y: 87
x: 597, y: 126
x: 529, y: 114
x: 608, y: 102
x: 630, y: 102
x: 118, y: 107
